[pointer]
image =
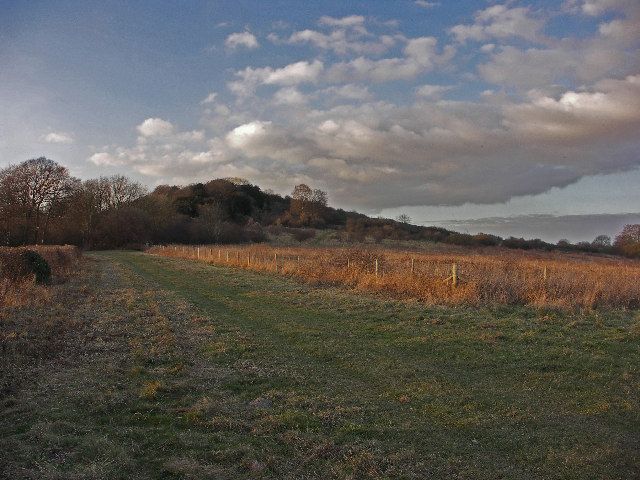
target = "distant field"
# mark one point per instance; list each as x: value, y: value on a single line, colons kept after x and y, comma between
x: 169, y: 368
x: 459, y: 276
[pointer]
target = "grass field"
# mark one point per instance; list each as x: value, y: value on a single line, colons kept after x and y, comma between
x: 171, y: 368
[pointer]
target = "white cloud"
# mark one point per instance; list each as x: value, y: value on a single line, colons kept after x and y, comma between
x: 349, y: 91
x: 622, y: 31
x: 244, y: 135
x: 210, y: 98
x: 611, y: 109
x: 533, y: 67
x: 295, y: 73
x: 421, y: 55
x: 58, y: 137
x: 500, y: 21
x: 178, y: 154
x: 350, y: 21
x: 241, y: 39
x: 153, y: 127
x: 595, y: 8
x: 432, y: 90
x: 425, y: 4
x: 289, y: 96
x: 289, y: 75
x: 104, y: 159
x: 346, y: 35
x: 192, y: 136
x: 341, y: 42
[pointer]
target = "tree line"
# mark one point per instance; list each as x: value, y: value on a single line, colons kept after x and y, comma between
x: 42, y: 203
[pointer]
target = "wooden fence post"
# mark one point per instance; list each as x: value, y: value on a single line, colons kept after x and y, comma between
x: 544, y: 273
x: 412, y: 265
x: 275, y: 261
x: 376, y: 267
x: 454, y: 275
x: 198, y: 253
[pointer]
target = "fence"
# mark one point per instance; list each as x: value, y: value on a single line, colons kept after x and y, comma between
x: 504, y: 277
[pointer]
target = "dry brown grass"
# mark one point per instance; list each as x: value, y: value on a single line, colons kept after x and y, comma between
x: 23, y: 290
x: 485, y: 277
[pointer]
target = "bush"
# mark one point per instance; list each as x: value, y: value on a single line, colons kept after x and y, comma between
x: 302, y: 234
x: 20, y: 264
x: 37, y: 265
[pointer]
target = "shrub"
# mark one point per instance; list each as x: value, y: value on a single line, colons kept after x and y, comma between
x: 17, y: 264
x: 37, y: 265
x: 302, y: 234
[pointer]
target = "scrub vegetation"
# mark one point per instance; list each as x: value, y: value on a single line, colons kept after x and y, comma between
x: 490, y: 276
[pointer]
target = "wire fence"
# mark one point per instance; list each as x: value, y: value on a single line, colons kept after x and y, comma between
x: 473, y: 278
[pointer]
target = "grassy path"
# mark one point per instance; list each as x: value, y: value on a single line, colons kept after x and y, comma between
x: 178, y: 369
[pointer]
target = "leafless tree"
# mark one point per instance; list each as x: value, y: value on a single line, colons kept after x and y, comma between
x: 403, y: 218
x: 32, y: 190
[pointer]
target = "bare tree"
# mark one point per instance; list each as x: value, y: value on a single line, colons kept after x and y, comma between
x: 122, y: 190
x: 34, y: 189
x: 403, y: 218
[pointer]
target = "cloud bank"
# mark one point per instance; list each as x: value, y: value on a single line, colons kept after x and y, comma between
x: 358, y: 113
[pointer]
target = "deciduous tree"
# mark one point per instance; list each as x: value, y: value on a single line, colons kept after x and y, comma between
x: 31, y: 191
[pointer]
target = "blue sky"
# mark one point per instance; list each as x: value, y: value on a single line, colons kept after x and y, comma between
x: 449, y: 111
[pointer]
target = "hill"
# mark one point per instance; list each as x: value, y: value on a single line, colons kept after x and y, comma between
x: 40, y: 202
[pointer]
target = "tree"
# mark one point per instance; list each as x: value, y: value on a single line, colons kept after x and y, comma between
x: 308, y: 206
x: 403, y: 218
x: 601, y: 241
x: 301, y: 195
x: 121, y: 191
x: 209, y: 225
x: 32, y: 191
x: 128, y: 227
x: 627, y: 242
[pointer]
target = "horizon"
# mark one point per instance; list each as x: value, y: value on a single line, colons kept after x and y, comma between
x: 502, y: 116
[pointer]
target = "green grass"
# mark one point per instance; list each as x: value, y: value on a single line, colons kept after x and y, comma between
x: 189, y: 370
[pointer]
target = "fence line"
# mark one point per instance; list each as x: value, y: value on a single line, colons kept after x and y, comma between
x: 454, y: 278
x: 261, y: 261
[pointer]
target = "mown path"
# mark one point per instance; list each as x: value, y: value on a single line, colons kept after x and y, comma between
x: 179, y: 369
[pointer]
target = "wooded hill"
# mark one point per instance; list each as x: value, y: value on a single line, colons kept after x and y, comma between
x: 40, y: 202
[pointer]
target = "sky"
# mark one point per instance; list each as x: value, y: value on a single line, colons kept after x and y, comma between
x: 513, y: 117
